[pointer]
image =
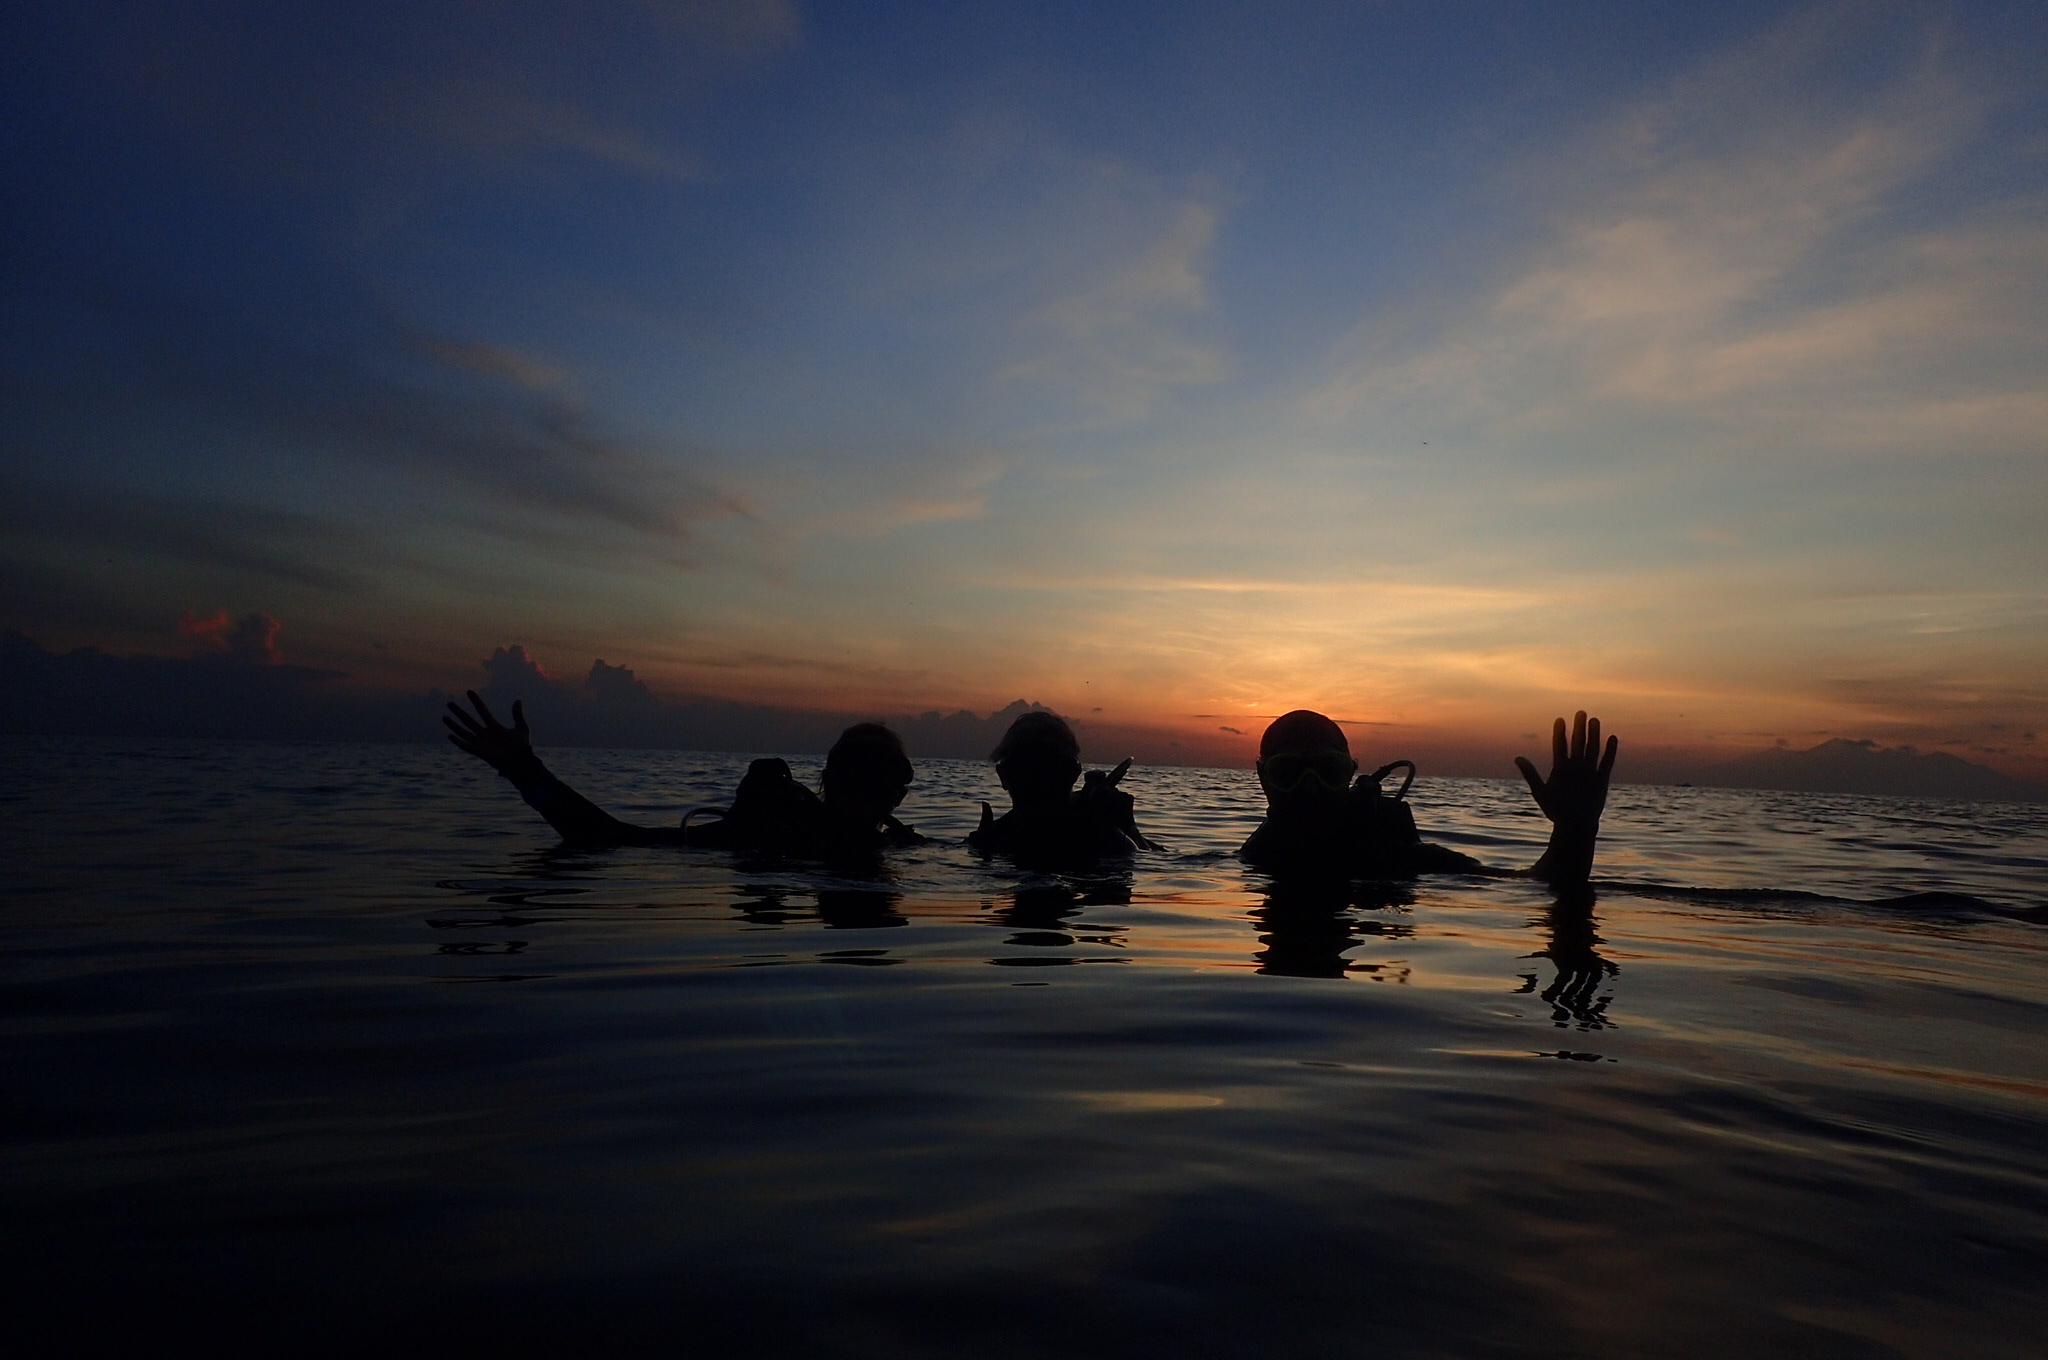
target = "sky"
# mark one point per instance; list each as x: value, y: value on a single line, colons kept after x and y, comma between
x: 1439, y: 366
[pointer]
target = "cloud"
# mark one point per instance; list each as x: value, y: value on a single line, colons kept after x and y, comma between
x: 890, y: 492
x: 510, y: 668
x: 496, y: 361
x: 501, y: 434
x: 245, y: 691
x: 384, y: 96
x: 241, y: 690
x: 1123, y: 340
x: 254, y: 542
x: 1998, y: 709
x: 1018, y: 274
x: 1843, y: 766
x: 251, y: 639
x: 1756, y: 259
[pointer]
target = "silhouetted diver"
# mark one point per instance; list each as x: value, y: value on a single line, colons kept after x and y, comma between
x: 1038, y: 761
x: 866, y: 775
x: 1318, y: 818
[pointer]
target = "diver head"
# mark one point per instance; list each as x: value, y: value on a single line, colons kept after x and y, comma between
x: 866, y: 774
x: 1038, y: 759
x: 1305, y: 763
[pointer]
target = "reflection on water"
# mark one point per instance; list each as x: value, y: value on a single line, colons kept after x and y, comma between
x: 1574, y: 992
x: 939, y: 1105
x: 860, y: 908
x: 1046, y: 914
x: 1308, y: 926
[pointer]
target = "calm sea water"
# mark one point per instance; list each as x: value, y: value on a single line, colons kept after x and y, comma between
x: 323, y: 1047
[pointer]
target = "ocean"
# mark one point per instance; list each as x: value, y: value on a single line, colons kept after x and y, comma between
x: 323, y: 1047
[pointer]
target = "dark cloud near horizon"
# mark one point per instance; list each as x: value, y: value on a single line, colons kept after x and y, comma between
x: 1842, y: 765
x: 227, y: 694
x: 250, y: 639
x: 143, y: 456
x: 237, y: 689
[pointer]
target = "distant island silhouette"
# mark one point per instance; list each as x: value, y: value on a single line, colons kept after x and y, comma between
x: 238, y: 687
x: 1845, y: 766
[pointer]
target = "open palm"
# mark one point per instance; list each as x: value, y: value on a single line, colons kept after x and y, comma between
x: 508, y: 750
x: 1575, y: 794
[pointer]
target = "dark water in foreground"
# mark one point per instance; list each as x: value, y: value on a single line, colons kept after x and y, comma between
x: 321, y: 1048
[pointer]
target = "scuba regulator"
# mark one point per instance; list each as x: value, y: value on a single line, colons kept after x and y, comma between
x: 1386, y: 820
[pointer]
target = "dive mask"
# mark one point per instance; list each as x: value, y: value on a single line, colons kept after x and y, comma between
x: 1287, y: 771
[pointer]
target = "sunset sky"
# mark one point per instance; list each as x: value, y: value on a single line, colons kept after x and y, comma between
x: 1438, y: 365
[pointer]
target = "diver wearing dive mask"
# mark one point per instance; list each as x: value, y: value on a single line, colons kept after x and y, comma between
x: 1322, y: 816
x: 1286, y: 772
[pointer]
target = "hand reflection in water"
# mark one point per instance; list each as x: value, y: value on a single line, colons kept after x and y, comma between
x: 1574, y: 994
x: 1306, y: 926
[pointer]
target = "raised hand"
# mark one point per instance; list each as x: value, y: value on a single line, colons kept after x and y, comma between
x: 1112, y: 805
x: 508, y: 750
x: 1575, y: 794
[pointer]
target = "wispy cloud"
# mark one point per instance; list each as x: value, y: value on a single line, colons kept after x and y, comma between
x: 259, y: 543
x: 949, y: 362
x: 1126, y: 337
x: 1754, y: 253
x: 386, y: 97
x: 920, y: 491
x: 496, y: 361
x: 480, y: 424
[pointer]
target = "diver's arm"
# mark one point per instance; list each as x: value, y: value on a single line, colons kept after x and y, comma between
x: 509, y: 751
x: 1573, y: 797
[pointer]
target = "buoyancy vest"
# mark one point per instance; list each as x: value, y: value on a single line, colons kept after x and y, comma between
x: 1376, y: 835
x: 1384, y: 824
x: 770, y: 811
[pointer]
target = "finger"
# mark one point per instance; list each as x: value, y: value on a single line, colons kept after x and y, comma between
x: 484, y: 710
x: 1558, y: 750
x: 519, y: 716
x: 1592, y: 737
x: 1116, y: 776
x: 1607, y: 760
x: 1579, y: 734
x: 1529, y: 773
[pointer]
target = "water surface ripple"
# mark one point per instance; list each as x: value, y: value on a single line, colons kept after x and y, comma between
x: 321, y: 1047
